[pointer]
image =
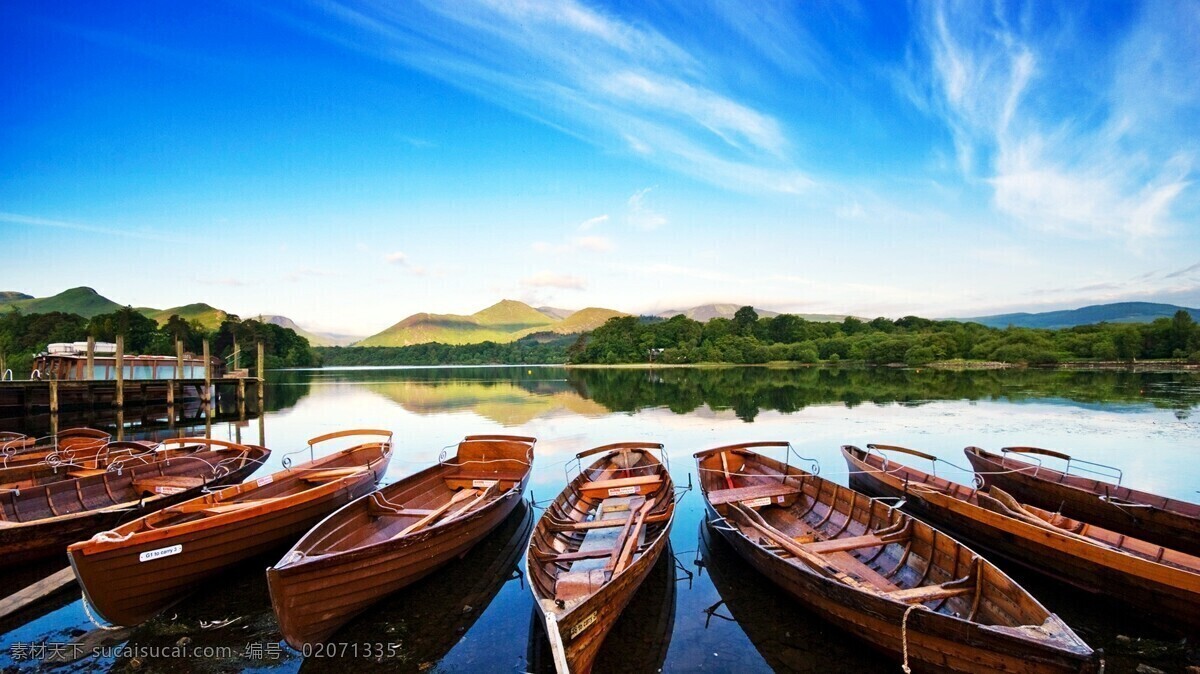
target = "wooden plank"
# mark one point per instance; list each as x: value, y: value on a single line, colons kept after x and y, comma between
x: 737, y: 494
x: 920, y: 595
x: 622, y: 482
x: 35, y: 592
x: 437, y: 512
x: 843, y: 544
x: 333, y: 474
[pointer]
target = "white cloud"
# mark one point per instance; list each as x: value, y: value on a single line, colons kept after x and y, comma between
x: 1072, y: 166
x: 593, y: 222
x: 551, y: 280
x: 591, y: 244
x: 640, y: 215
x: 396, y: 257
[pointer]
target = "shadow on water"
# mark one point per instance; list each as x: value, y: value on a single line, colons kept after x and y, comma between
x: 788, y: 636
x: 641, y: 636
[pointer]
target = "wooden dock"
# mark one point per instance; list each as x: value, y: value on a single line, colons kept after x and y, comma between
x: 27, y: 398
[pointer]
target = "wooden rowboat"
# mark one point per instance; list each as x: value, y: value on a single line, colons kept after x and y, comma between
x: 396, y: 536
x: 73, y: 444
x: 55, y: 467
x: 1150, y: 517
x: 595, y: 544
x: 12, y: 442
x: 897, y: 583
x: 136, y: 570
x: 1163, y: 583
x: 42, y: 521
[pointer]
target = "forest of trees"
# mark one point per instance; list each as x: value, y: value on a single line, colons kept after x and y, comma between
x: 747, y: 338
x: 520, y: 352
x: 24, y: 335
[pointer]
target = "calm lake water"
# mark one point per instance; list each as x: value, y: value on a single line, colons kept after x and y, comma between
x: 702, y: 609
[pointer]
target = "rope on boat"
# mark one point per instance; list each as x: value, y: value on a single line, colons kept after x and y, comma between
x: 87, y: 610
x: 904, y: 634
x: 111, y: 537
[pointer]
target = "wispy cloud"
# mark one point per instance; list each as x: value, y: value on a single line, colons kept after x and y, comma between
x: 34, y: 221
x: 601, y: 77
x: 591, y: 244
x: 593, y: 222
x: 397, y: 257
x: 306, y: 273
x: 997, y: 77
x: 639, y: 213
x: 552, y: 280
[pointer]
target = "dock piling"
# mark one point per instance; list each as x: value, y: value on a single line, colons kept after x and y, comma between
x: 119, y: 400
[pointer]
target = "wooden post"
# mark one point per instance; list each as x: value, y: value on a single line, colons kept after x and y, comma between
x: 53, y: 396
x: 262, y: 429
x: 119, y: 399
x: 235, y: 353
x: 120, y: 423
x: 262, y: 374
x: 179, y: 359
x: 206, y: 394
x: 91, y: 359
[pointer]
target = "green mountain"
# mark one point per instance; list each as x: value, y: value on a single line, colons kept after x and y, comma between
x: 511, y: 316
x: 83, y: 301
x: 505, y: 321
x: 584, y: 320
x: 1119, y: 312
x: 208, y: 316
x: 314, y: 338
x: 706, y: 312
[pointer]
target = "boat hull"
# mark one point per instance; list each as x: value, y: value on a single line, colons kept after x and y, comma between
x: 1170, y: 597
x: 935, y: 642
x: 1158, y: 526
x: 314, y: 598
x: 131, y: 584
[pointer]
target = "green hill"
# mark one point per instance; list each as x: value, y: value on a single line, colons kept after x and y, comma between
x: 83, y: 301
x: 584, y: 320
x: 511, y: 316
x: 208, y: 316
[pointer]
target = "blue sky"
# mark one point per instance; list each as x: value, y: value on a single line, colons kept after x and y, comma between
x: 349, y: 163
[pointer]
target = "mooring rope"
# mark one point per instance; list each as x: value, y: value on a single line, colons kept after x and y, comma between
x: 111, y: 537
x: 904, y: 634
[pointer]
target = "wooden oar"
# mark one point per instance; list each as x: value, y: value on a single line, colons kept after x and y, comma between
x: 474, y: 502
x: 460, y: 496
x: 725, y: 469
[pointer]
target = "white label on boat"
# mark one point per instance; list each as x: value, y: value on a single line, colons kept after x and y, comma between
x: 484, y: 483
x: 779, y: 499
x: 264, y: 481
x: 757, y: 502
x: 622, y: 491
x: 583, y: 625
x: 160, y: 553
x: 167, y: 490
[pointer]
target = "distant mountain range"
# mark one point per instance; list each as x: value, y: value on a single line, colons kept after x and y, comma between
x: 87, y: 302
x: 1119, y: 312
x: 510, y: 320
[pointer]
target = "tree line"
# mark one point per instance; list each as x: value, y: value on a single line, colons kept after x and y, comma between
x: 520, y: 352
x: 23, y: 335
x: 748, y: 338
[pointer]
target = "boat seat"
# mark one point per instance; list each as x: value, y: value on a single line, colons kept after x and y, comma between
x: 640, y: 485
x: 844, y: 544
x: 166, y: 484
x: 86, y: 472
x: 233, y: 507
x: 479, y: 479
x: 777, y: 492
x: 331, y: 474
x: 927, y: 593
x: 588, y: 573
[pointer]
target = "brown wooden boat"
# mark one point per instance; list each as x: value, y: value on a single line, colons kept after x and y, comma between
x: 55, y: 468
x: 71, y: 445
x: 397, y: 535
x: 1164, y: 583
x: 42, y: 521
x: 897, y: 583
x: 595, y: 544
x: 136, y: 570
x: 1150, y: 517
x: 12, y: 442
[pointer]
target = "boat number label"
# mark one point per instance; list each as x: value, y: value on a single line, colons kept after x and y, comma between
x: 583, y: 624
x: 757, y: 502
x: 484, y: 483
x: 622, y: 491
x: 264, y: 481
x: 160, y: 553
x: 167, y: 490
